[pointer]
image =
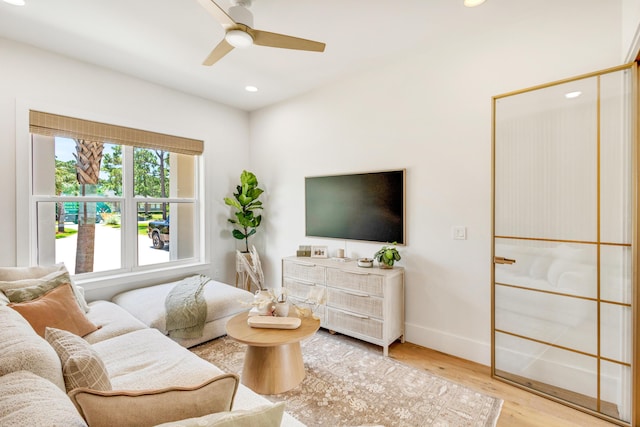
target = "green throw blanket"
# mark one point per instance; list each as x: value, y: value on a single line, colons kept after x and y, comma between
x: 186, y: 308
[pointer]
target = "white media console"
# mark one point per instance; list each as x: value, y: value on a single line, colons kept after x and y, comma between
x: 365, y: 303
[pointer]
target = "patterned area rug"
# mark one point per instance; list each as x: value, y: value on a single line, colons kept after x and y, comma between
x: 349, y: 385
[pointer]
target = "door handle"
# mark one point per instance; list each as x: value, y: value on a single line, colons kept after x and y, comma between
x: 503, y: 260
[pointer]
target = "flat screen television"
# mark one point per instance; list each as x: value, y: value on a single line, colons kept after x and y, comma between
x: 361, y: 206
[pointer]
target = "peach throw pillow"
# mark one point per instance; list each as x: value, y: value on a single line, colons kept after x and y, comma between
x: 56, y: 309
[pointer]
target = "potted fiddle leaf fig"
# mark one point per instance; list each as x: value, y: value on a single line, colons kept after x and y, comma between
x: 245, y: 203
x: 387, y: 256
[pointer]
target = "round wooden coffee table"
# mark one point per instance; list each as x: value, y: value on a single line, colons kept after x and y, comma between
x: 273, y: 361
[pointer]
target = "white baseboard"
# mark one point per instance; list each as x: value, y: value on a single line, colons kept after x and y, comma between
x: 456, y: 345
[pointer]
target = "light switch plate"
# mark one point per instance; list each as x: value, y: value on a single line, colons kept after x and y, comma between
x: 459, y: 232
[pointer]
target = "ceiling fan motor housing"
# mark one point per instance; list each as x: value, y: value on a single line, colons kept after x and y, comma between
x: 241, y: 14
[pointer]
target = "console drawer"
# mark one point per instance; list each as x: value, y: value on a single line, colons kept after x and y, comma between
x: 355, y: 301
x: 363, y: 282
x: 363, y: 325
x: 303, y: 270
x: 296, y: 288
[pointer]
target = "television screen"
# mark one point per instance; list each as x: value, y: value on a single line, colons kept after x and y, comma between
x: 361, y: 206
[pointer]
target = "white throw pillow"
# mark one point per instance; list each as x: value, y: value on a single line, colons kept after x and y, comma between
x: 21, y: 277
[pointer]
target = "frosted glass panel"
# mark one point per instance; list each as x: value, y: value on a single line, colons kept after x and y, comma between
x: 546, y: 164
x: 548, y: 266
x: 615, y: 386
x: 615, y: 327
x: 564, y: 224
x: 616, y: 273
x: 545, y: 368
x: 563, y: 321
x: 615, y: 159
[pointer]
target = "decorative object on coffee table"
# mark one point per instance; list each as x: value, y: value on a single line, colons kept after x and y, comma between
x: 308, y: 306
x: 273, y: 360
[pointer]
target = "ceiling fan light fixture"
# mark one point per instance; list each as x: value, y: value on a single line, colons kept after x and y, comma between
x: 473, y: 3
x: 238, y: 38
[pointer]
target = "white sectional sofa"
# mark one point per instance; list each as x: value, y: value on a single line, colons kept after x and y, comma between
x: 223, y: 302
x: 149, y: 374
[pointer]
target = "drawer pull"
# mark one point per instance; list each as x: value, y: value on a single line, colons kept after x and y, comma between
x: 304, y: 264
x: 357, y: 273
x: 359, y: 316
x: 355, y: 294
x: 348, y: 313
x: 303, y: 282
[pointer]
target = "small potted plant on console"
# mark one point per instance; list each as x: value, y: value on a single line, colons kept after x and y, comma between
x: 387, y: 256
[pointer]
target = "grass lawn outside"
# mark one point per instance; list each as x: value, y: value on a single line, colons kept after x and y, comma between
x: 66, y: 233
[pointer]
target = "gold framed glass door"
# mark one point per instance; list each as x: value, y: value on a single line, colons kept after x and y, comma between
x: 563, y: 282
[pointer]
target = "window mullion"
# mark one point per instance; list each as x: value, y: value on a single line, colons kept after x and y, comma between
x: 129, y: 213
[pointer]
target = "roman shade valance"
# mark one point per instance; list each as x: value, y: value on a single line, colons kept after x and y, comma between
x: 56, y: 125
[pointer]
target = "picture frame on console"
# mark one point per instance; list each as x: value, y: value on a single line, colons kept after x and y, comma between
x: 319, y: 252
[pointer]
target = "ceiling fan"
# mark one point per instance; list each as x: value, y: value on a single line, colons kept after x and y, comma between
x: 238, y: 25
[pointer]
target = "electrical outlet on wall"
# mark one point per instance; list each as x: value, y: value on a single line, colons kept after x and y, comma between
x: 459, y: 232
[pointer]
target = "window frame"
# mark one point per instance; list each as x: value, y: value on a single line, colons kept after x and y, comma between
x: 101, y: 282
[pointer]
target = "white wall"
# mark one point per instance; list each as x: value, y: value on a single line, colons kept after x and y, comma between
x: 430, y: 113
x: 630, y: 29
x: 32, y: 77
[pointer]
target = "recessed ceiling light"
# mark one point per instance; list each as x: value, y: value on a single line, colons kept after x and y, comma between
x: 251, y: 88
x: 571, y: 95
x: 15, y: 2
x: 473, y: 3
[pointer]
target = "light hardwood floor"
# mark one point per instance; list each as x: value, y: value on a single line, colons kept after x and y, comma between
x: 520, y: 408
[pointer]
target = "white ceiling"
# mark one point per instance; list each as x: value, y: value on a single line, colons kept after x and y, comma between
x: 165, y: 41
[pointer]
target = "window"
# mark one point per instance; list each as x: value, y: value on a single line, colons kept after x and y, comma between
x: 107, y: 199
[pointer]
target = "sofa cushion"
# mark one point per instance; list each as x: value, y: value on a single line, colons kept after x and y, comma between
x: 57, y: 309
x: 261, y: 416
x: 19, y: 277
x: 81, y: 365
x: 23, y: 349
x: 148, y: 304
x: 150, y: 407
x: 112, y: 321
x: 147, y: 359
x: 27, y: 399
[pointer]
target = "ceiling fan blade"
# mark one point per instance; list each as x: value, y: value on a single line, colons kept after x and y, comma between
x: 265, y: 38
x: 218, y: 52
x: 218, y: 13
